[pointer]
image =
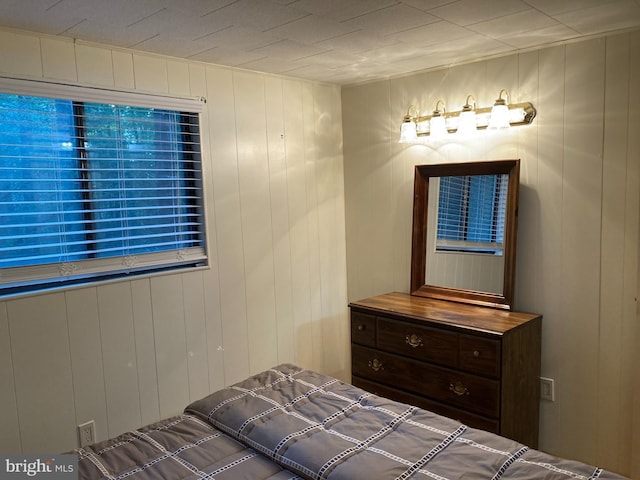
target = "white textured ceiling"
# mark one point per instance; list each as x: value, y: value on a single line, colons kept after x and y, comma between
x: 337, y: 41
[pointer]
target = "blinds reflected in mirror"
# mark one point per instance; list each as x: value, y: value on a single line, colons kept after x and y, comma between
x: 471, y: 214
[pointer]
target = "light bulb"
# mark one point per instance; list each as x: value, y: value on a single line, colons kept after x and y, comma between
x: 408, y: 133
x: 500, y: 113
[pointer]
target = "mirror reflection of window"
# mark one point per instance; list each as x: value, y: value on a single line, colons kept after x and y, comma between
x: 471, y: 212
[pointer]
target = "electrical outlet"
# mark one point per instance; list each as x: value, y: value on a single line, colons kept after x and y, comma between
x: 547, y: 390
x: 87, y: 433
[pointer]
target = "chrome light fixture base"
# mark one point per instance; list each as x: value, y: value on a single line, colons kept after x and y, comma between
x: 518, y: 114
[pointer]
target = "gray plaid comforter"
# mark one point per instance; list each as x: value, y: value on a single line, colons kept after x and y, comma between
x: 182, y: 447
x: 321, y: 428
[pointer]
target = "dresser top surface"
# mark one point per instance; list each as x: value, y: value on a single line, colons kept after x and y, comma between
x: 484, y: 319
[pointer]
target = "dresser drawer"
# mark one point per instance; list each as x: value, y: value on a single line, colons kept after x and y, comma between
x: 480, y: 355
x: 363, y: 329
x: 470, y: 392
x: 470, y: 419
x: 424, y: 343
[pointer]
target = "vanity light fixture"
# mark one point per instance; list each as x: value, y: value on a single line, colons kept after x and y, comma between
x: 502, y: 114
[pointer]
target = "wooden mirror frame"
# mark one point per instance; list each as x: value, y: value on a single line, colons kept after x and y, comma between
x: 419, y: 237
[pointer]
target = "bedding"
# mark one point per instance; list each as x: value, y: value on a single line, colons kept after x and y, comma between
x: 319, y: 427
x: 291, y: 423
x: 181, y: 447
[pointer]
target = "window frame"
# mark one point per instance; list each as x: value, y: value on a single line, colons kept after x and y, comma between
x: 20, y: 280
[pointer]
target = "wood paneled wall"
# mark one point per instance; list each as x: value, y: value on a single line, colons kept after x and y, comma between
x: 577, y: 260
x: 128, y: 353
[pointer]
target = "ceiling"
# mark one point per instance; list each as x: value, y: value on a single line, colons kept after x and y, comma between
x: 336, y: 41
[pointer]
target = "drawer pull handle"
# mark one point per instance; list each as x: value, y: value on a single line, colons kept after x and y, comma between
x: 476, y: 353
x: 361, y: 327
x: 376, y: 365
x: 414, y: 340
x: 459, y: 389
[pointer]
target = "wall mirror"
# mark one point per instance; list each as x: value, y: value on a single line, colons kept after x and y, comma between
x: 464, y: 232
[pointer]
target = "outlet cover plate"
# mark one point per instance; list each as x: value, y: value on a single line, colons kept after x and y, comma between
x: 547, y: 389
x: 87, y: 433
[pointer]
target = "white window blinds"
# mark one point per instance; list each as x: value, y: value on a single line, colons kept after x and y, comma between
x: 471, y: 212
x: 96, y: 184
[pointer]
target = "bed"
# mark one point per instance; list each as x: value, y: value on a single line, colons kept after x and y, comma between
x: 291, y: 423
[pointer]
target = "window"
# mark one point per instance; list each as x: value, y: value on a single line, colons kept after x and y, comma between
x: 471, y: 212
x: 91, y: 190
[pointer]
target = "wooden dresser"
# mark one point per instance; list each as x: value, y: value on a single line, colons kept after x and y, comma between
x: 476, y: 364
